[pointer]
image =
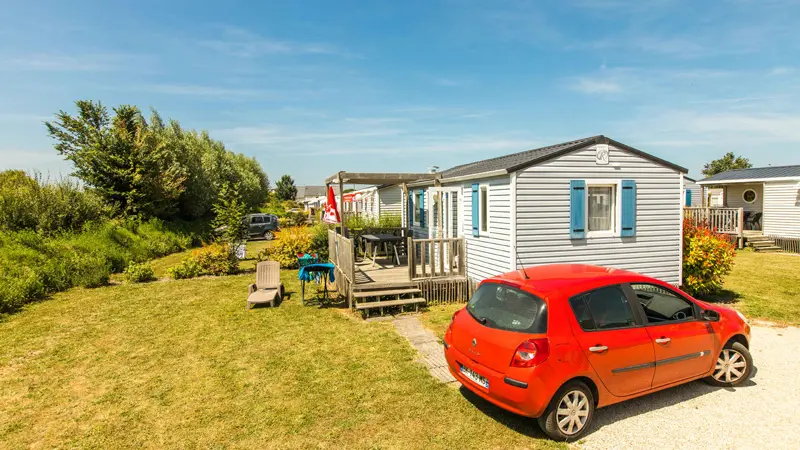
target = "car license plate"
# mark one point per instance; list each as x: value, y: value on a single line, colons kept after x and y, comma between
x: 474, y: 377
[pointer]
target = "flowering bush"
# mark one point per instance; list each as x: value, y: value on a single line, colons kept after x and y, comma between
x: 214, y: 259
x: 288, y: 243
x: 707, y: 259
x: 139, y: 273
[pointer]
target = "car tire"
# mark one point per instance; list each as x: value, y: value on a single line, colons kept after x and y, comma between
x: 728, y: 371
x: 269, y: 235
x: 560, y: 407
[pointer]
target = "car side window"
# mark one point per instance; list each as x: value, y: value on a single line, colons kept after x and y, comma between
x: 603, y: 309
x: 661, y: 304
x: 257, y: 219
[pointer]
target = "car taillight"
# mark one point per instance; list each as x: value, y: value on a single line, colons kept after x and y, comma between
x: 531, y: 353
x: 448, y: 335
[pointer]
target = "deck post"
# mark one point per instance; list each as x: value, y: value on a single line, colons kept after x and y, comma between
x: 740, y: 230
x: 341, y: 205
x: 412, y: 262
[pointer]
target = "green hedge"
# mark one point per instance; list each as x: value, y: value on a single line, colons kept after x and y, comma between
x: 33, y: 266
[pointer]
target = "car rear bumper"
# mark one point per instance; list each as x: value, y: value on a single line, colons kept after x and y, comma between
x: 505, y: 389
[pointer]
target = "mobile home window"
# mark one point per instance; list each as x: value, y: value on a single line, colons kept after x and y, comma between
x: 484, y: 208
x: 602, y: 208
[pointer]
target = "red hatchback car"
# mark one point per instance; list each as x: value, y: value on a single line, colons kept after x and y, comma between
x: 557, y: 342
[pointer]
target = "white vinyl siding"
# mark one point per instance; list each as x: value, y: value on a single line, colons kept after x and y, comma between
x: 733, y: 197
x: 487, y: 255
x: 697, y: 192
x: 390, y: 200
x: 543, y: 215
x: 782, y: 209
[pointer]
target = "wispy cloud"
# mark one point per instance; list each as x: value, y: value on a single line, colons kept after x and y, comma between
x: 71, y: 63
x: 242, y: 43
x: 595, y: 86
x: 194, y: 90
x: 778, y: 71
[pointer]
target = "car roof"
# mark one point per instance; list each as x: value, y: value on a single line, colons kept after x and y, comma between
x: 568, y: 279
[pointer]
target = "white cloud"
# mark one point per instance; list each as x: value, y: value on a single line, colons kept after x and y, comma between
x: 782, y: 71
x: 204, y: 91
x: 245, y: 44
x: 48, y: 62
x: 596, y: 86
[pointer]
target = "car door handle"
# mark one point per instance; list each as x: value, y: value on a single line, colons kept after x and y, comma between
x: 598, y: 349
x: 663, y: 340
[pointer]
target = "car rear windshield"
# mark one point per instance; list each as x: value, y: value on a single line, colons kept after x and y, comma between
x: 505, y: 307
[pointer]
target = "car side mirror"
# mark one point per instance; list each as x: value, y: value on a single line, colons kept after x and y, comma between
x: 709, y: 315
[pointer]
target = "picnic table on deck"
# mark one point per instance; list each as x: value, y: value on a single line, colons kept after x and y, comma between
x: 321, y: 272
x: 375, y: 240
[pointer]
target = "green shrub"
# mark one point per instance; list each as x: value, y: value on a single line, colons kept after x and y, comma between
x: 139, y: 273
x: 215, y: 259
x: 30, y: 203
x: 361, y: 221
x: 319, y: 241
x: 288, y: 243
x: 34, y: 265
x: 707, y: 259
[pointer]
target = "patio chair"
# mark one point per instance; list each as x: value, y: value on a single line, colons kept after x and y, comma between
x: 754, y: 222
x: 268, y: 287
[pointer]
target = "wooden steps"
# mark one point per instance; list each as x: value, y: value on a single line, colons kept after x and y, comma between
x: 386, y: 303
x: 367, y: 294
x: 761, y: 243
x: 385, y: 295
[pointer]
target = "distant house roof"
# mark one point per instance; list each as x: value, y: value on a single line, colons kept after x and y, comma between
x: 309, y: 192
x: 521, y: 160
x: 755, y: 174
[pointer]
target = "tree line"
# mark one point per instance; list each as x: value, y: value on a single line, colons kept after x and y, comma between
x: 151, y: 167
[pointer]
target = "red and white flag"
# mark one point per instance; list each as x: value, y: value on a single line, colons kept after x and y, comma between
x: 331, y: 211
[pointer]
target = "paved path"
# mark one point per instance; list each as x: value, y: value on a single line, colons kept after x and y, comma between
x: 427, y: 344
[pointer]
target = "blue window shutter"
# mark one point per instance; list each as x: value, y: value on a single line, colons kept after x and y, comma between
x: 410, y: 209
x: 475, y: 225
x: 629, y: 208
x: 577, y: 209
x: 688, y: 197
x: 422, y: 208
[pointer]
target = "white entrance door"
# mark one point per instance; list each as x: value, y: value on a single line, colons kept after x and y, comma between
x: 445, y: 203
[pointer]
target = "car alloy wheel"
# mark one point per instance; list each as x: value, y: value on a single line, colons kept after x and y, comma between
x: 268, y: 235
x: 572, y: 412
x: 731, y: 366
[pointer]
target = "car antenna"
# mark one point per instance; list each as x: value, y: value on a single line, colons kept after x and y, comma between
x: 522, y: 267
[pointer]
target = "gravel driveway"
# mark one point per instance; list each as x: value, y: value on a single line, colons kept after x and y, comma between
x: 763, y: 413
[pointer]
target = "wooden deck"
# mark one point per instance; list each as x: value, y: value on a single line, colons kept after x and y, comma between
x: 385, y: 272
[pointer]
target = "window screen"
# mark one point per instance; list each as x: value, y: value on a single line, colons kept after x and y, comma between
x: 601, y: 207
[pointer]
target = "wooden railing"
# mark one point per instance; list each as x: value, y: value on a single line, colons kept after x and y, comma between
x: 723, y: 220
x: 342, y: 255
x: 431, y: 258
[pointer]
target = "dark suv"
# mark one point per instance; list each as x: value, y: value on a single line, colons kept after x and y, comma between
x: 261, y: 225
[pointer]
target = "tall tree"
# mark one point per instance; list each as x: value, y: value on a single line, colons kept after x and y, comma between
x: 127, y: 162
x: 155, y: 167
x: 726, y: 163
x: 285, y: 188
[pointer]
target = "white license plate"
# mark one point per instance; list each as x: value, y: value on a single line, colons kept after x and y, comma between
x: 474, y: 377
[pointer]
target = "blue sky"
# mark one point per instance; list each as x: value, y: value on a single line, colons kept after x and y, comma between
x: 313, y: 87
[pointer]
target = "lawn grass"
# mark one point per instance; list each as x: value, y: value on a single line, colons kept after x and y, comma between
x: 765, y: 286
x: 437, y: 317
x: 161, y: 265
x: 182, y: 364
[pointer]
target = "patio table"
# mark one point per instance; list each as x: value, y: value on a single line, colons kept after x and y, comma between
x: 375, y: 240
x: 322, y: 272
